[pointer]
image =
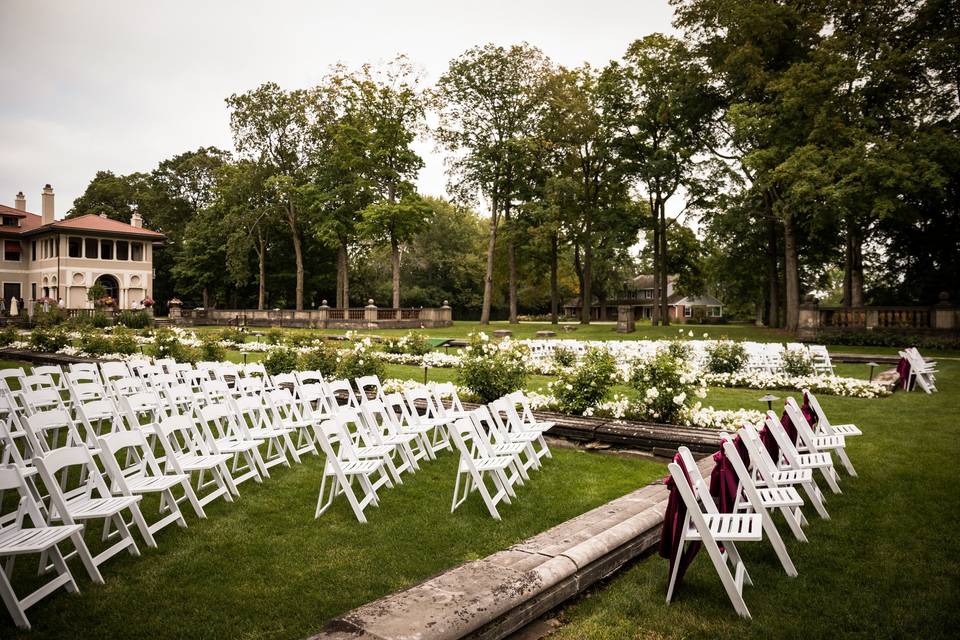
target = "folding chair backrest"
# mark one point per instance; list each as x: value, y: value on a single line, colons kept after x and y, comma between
x: 378, y: 417
x: 421, y: 403
x: 141, y: 462
x: 12, y: 377
x: 38, y: 381
x: 366, y: 383
x: 179, y: 435
x: 127, y: 386
x: 817, y: 410
x: 701, y: 487
x: 215, y: 390
x: 53, y: 462
x: 255, y: 369
x: 340, y: 392
x: 219, y: 421
x: 787, y: 448
x: 763, y: 465
x: 54, y: 372
x: 11, y: 479
x: 446, y: 392
x: 41, y: 399
x: 308, y: 377
x: 464, y: 436
x: 286, y: 380
x: 397, y: 404
x: 485, y: 429
x: 114, y: 370
x: 519, y: 398
x: 137, y: 406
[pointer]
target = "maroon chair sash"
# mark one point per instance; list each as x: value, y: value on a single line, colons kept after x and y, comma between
x: 808, y: 412
x: 789, y: 427
x: 770, y: 443
x: 673, y: 521
x: 903, y: 370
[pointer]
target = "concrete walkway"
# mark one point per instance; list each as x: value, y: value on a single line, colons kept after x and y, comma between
x: 493, y: 597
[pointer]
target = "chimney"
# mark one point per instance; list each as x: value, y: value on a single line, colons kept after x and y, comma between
x: 47, y: 197
x: 136, y: 220
x: 21, y: 202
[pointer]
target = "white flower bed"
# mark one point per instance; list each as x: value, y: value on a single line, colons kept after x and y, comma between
x: 833, y: 385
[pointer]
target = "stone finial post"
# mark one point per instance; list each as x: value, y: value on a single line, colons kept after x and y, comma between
x: 175, y: 307
x: 323, y: 312
x: 370, y: 311
x: 626, y: 322
x: 944, y: 313
x: 809, y: 324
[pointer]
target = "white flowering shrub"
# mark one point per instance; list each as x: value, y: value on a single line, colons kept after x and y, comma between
x: 797, y: 362
x: 726, y: 356
x: 825, y: 384
x: 665, y: 385
x: 413, y: 343
x: 359, y: 360
x: 491, y: 370
x: 579, y: 388
x: 282, y: 360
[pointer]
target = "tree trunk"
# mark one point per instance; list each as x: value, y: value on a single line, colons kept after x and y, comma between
x: 395, y: 263
x: 853, y: 268
x: 511, y: 264
x: 297, y: 250
x: 338, y: 302
x: 773, y: 271
x: 554, y: 288
x: 206, y: 298
x: 345, y: 267
x: 792, y: 273
x: 665, y: 313
x: 262, y: 279
x: 586, y: 308
x: 488, y: 277
x: 655, y: 311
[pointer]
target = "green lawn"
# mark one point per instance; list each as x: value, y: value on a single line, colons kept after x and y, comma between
x: 264, y: 568
x: 887, y: 565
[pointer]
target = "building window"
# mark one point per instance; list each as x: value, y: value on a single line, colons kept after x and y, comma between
x: 33, y: 252
x: 74, y: 247
x: 33, y: 290
x: 90, y: 248
x: 11, y: 250
x: 123, y: 250
x: 136, y: 251
x: 106, y: 249
x: 715, y: 312
x: 687, y: 312
x: 55, y: 243
x: 11, y: 221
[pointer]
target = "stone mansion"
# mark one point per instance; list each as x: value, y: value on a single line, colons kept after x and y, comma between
x: 59, y: 259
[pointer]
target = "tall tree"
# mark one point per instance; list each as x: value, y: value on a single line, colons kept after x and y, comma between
x: 664, y: 107
x: 488, y: 107
x: 273, y: 126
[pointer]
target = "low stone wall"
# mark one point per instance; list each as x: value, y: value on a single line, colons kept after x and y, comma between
x: 369, y: 317
x: 489, y: 599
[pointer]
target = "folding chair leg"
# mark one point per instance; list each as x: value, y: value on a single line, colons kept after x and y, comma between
x: 830, y: 475
x: 727, y: 578
x: 13, y: 604
x: 777, y: 542
x: 676, y: 568
x: 793, y: 518
x: 816, y: 497
x: 842, y: 453
x: 86, y: 558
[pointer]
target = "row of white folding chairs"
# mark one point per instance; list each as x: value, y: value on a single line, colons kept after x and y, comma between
x: 922, y: 372
x: 765, y: 485
x: 499, y: 443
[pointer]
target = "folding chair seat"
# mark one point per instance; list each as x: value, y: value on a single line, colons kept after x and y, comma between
x: 91, y: 500
x: 490, y: 438
x: 382, y: 425
x: 766, y: 474
x: 812, y: 442
x: 341, y: 467
x: 225, y: 434
x: 411, y: 422
x: 475, y: 467
x: 17, y: 539
x: 527, y: 419
x: 350, y: 425
x: 426, y: 409
x: 257, y: 419
x: 186, y: 452
x: 823, y: 423
x: 792, y: 459
x: 713, y: 529
x: 285, y: 411
x: 750, y: 499
x: 509, y: 422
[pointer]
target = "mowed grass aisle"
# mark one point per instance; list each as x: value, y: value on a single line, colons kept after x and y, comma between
x: 264, y: 568
x: 887, y: 565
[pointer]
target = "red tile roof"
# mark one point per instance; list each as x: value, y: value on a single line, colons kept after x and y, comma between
x: 32, y: 223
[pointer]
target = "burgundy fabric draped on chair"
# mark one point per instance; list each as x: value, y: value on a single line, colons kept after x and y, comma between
x: 903, y: 370
x: 808, y: 412
x: 724, y: 483
x: 673, y: 521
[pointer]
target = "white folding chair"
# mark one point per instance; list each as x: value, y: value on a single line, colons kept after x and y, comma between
x: 812, y: 442
x: 475, y: 467
x: 341, y: 467
x: 225, y: 434
x: 90, y: 501
x: 823, y: 423
x: 186, y: 452
x: 426, y: 408
x: 793, y: 459
x: 765, y: 472
x: 17, y: 539
x: 505, y: 416
x: 145, y: 476
x: 367, y: 384
x: 257, y: 419
x: 711, y: 528
x: 341, y: 395
x: 501, y: 442
x: 286, y: 412
x: 383, y: 426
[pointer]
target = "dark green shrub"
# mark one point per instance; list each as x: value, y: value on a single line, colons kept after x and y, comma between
x: 100, y: 320
x: 564, y: 357
x: 167, y: 345
x: 491, y: 370
x: 48, y: 339
x: 8, y: 335
x: 124, y: 341
x: 210, y: 348
x: 134, y: 319
x: 273, y: 336
x: 885, y: 338
x: 414, y: 343
x: 233, y: 335
x: 95, y: 343
x: 52, y: 317
x: 282, y: 360
x: 797, y: 362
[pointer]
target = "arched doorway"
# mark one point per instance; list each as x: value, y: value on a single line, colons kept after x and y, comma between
x: 110, y: 286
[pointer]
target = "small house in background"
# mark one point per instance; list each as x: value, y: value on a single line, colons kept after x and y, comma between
x: 638, y: 293
x: 45, y: 258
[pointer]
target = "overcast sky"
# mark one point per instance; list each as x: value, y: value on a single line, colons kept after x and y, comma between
x: 122, y: 85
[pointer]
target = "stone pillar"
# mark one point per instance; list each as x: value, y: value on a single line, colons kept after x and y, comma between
x: 625, y: 320
x: 809, y: 325
x: 446, y: 315
x: 871, y: 318
x: 323, y: 313
x: 370, y: 312
x: 175, y: 310
x: 944, y: 315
